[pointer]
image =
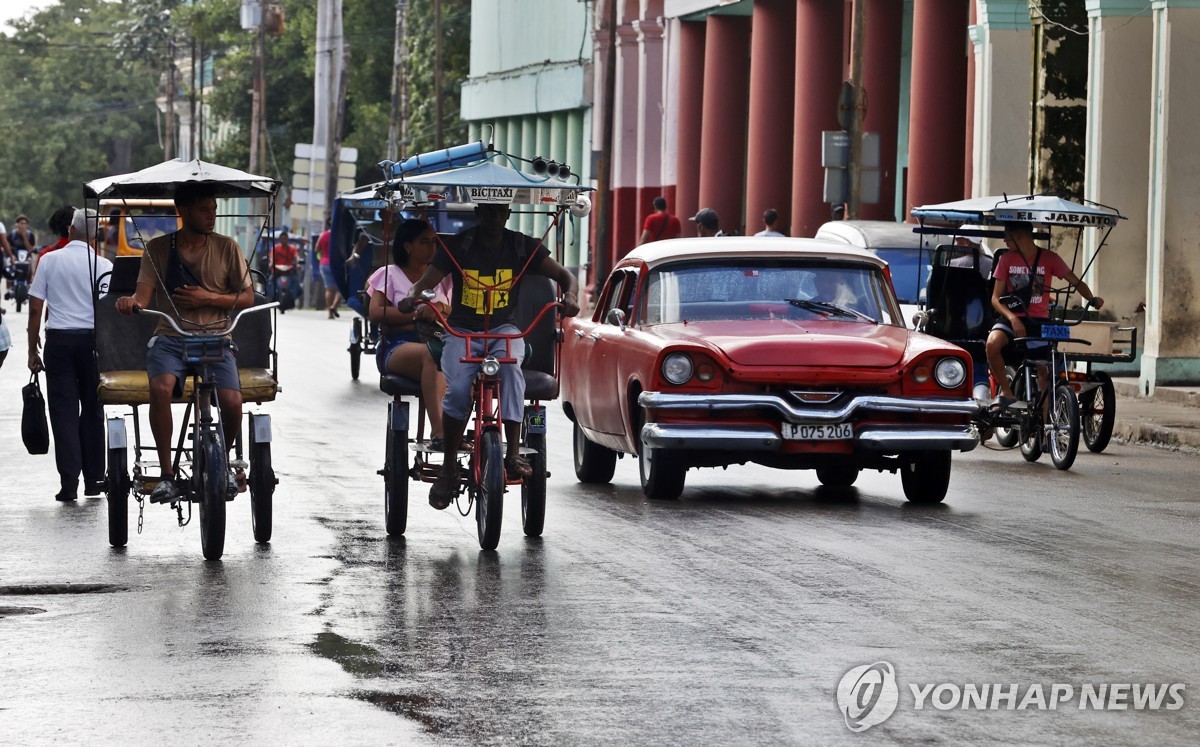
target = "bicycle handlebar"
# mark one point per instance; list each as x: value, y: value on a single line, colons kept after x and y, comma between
x: 480, y: 335
x: 236, y: 318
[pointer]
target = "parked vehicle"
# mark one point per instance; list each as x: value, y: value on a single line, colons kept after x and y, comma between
x: 789, y: 353
x: 909, y: 255
x: 130, y: 223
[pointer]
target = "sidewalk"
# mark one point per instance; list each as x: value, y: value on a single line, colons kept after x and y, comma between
x: 1171, y: 418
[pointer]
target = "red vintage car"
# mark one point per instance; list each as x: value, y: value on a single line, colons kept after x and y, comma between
x: 789, y: 353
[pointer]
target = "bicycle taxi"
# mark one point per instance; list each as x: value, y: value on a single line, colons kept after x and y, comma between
x: 1079, y: 400
x: 484, y: 481
x: 200, y: 456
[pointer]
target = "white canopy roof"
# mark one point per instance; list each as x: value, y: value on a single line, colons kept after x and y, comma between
x: 1043, y: 209
x: 160, y: 181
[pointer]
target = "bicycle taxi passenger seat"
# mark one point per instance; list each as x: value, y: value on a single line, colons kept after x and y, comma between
x: 958, y: 299
x: 121, y: 347
x: 538, y: 366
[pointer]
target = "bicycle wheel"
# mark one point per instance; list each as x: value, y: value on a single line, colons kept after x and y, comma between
x: 262, y: 487
x: 533, y: 488
x: 1007, y: 437
x: 212, y: 480
x: 1098, y: 413
x: 118, y: 497
x: 356, y: 346
x: 395, y: 479
x: 1064, y: 427
x: 489, y: 503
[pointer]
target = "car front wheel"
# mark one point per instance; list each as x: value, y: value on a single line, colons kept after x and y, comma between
x: 926, y: 478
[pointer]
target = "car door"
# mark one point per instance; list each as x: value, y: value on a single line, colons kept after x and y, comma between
x: 608, y: 364
x: 580, y: 356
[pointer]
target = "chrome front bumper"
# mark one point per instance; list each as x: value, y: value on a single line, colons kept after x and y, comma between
x: 890, y: 438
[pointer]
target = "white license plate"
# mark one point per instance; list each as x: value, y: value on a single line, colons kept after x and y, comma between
x: 834, y: 432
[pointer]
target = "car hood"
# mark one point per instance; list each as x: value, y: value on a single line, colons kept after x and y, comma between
x: 782, y: 342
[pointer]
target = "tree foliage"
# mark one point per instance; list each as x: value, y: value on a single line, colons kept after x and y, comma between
x: 79, y: 80
x: 70, y: 108
x: 420, y: 58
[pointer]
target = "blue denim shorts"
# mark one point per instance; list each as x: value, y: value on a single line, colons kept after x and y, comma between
x: 166, y: 357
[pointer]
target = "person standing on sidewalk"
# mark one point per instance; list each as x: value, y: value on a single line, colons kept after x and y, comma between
x: 65, y: 282
x: 660, y: 224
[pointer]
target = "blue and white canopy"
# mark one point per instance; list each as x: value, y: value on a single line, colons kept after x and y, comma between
x: 486, y: 182
x: 1046, y: 210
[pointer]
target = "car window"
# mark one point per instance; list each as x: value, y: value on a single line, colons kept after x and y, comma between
x: 761, y: 288
x: 620, y: 288
x: 910, y: 271
x: 142, y: 228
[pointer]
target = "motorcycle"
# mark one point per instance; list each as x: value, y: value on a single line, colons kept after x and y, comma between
x: 18, y: 277
x: 285, y: 287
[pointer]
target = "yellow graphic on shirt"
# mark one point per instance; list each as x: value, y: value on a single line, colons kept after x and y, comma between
x: 477, y: 288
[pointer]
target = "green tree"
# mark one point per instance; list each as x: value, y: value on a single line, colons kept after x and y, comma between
x: 419, y: 60
x: 70, y: 107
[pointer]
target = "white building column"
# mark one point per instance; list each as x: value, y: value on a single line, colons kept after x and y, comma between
x: 1172, y: 351
x: 1120, y: 57
x: 1003, y: 42
x: 650, y: 109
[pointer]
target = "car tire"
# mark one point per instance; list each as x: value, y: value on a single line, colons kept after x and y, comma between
x: 594, y: 464
x: 926, y: 478
x: 838, y: 477
x: 662, y: 471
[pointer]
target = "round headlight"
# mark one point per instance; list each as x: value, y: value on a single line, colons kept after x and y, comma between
x: 950, y: 373
x: 490, y: 367
x: 677, y: 368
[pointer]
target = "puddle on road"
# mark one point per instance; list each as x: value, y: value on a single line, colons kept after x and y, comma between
x: 361, y: 660
x: 413, y: 707
x: 356, y: 658
x: 68, y: 588
x: 14, y: 611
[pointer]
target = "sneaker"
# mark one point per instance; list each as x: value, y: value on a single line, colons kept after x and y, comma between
x: 437, y: 443
x: 166, y: 491
x: 445, y: 487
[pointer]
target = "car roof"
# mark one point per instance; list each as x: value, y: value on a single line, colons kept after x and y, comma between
x: 872, y: 233
x: 734, y: 247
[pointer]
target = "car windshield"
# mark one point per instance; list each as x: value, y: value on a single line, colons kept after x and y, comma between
x: 142, y: 228
x: 739, y: 289
x: 910, y: 271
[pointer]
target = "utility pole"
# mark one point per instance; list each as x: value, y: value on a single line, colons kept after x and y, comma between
x: 393, y: 144
x: 258, y: 103
x: 600, y: 251
x: 858, y: 113
x: 437, y: 75
x: 169, y: 143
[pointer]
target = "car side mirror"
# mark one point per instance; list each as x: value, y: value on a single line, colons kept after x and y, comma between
x: 617, y: 317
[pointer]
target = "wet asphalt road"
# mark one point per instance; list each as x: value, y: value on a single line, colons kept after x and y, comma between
x: 727, y: 617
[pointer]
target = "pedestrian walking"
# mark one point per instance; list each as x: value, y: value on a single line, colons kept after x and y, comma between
x: 333, y: 298
x: 5, y: 339
x: 66, y: 285
x: 770, y: 220
x: 660, y: 224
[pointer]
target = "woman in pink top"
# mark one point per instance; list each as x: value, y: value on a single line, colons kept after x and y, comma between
x: 400, y: 351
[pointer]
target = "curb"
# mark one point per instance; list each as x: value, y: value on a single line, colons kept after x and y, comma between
x: 1167, y: 424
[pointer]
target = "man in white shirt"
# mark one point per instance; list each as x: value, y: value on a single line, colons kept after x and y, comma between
x: 66, y: 282
x: 770, y: 219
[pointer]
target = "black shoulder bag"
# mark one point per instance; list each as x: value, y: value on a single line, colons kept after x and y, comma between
x: 34, y: 430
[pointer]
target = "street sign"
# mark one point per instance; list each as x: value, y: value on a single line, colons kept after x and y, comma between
x: 308, y: 150
x: 835, y: 157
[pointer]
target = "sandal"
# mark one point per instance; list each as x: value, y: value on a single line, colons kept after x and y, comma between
x: 517, y: 467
